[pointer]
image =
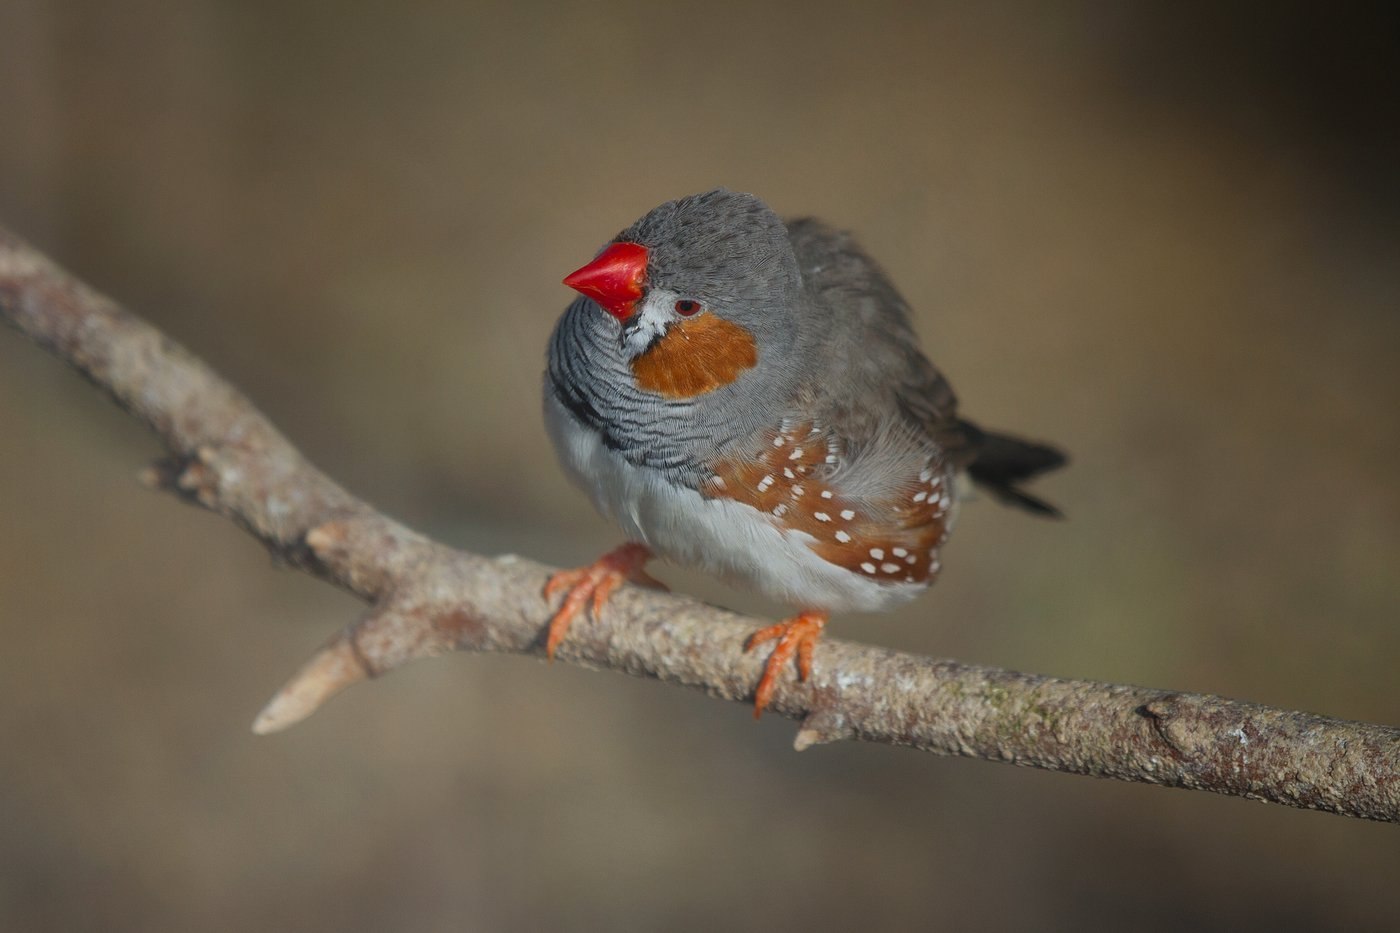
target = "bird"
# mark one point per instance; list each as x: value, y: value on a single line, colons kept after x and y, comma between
x: 746, y: 395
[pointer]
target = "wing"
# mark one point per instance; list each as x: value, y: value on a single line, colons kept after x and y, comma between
x: 867, y: 357
x: 881, y: 370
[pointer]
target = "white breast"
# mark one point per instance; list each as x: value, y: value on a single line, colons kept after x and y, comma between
x: 736, y: 542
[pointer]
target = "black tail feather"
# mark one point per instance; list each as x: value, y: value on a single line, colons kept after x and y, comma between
x: 1003, y: 462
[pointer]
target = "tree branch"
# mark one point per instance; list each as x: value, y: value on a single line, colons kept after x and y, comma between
x: 425, y: 598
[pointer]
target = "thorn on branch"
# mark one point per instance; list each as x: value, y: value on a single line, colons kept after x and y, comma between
x: 824, y: 724
x: 324, y: 538
x: 1162, y: 713
x: 161, y: 474
x: 330, y: 670
x: 188, y: 476
x: 379, y: 642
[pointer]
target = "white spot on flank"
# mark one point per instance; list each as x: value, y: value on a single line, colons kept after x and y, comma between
x: 780, y: 509
x: 796, y: 454
x: 789, y: 474
x: 910, y: 559
x: 830, y: 458
x: 821, y: 516
x: 764, y: 483
x: 900, y: 552
x: 779, y: 441
x: 848, y: 514
x: 843, y: 537
x: 890, y: 568
x: 920, y: 496
x: 826, y: 493
x: 797, y: 492
x: 925, y: 475
x: 909, y: 579
x: 878, y: 553
x: 868, y: 567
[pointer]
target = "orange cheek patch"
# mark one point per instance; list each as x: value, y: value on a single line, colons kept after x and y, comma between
x: 695, y: 357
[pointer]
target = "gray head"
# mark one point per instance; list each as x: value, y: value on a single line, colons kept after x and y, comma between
x: 685, y: 337
x: 720, y: 254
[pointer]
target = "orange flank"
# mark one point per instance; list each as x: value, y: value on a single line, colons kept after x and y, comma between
x: 798, y: 634
x: 594, y: 584
x: 695, y: 357
x: 891, y: 539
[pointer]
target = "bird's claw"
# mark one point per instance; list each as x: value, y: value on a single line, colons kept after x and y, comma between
x: 798, y: 635
x: 592, y: 586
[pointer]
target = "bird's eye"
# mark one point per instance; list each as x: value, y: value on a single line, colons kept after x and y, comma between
x: 687, y: 307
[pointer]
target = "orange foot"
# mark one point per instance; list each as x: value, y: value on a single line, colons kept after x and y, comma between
x: 597, y: 580
x: 799, y: 634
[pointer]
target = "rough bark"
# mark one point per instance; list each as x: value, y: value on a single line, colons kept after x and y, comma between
x: 425, y: 598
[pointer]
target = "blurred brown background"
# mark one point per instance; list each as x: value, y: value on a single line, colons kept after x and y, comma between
x: 1165, y: 236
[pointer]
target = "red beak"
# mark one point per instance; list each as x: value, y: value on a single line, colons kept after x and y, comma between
x: 614, y: 280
